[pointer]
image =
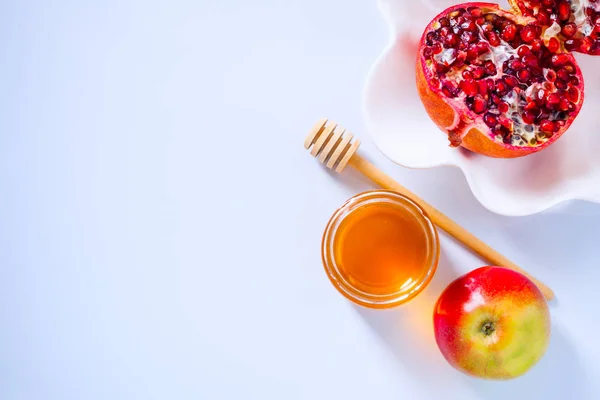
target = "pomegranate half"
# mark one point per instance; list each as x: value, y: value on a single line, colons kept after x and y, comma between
x: 497, y: 82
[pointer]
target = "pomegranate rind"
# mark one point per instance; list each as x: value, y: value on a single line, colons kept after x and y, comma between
x: 447, y: 119
x: 440, y: 112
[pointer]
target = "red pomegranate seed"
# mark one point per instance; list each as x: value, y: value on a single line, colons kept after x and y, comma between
x: 550, y: 75
x: 469, y: 87
x: 553, y: 45
x: 490, y: 120
x: 531, y: 106
x: 564, y: 10
x: 479, y: 104
x: 547, y: 3
x: 445, y: 31
x: 569, y: 30
x: 480, y: 21
x: 516, y: 64
x: 441, y: 68
x: 564, y: 104
x: 501, y: 86
x: 537, y: 74
x: 472, y: 53
x: 460, y: 59
x: 468, y: 37
x: 507, y: 123
x: 574, y: 81
x: 572, y: 44
x: 562, y: 85
x: 528, y: 33
x: 563, y: 74
x: 483, y: 87
x: 430, y: 38
x: 547, y: 126
x: 541, y: 96
x: 529, y: 117
x: 536, y: 45
x: 466, y: 74
x: 509, y: 32
x: 543, y: 18
x: 530, y: 60
x: 552, y: 101
x: 450, y: 40
x: 523, y: 50
x: 497, y: 130
x: 570, y: 68
x: 511, y: 81
x: 444, y: 21
x: 493, y: 39
x: 490, y: 68
x: 469, y: 26
x: 559, y: 60
x: 447, y: 92
x: 478, y: 72
x: 475, y: 12
x: 482, y: 47
x: 523, y: 75
x: 427, y: 52
x: 586, y: 44
x: 496, y: 99
x: 437, y: 48
x: 503, y: 107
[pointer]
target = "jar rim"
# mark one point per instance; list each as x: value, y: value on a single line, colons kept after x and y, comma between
x: 350, y: 291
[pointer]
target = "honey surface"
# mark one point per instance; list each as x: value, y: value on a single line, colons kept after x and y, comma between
x: 381, y: 248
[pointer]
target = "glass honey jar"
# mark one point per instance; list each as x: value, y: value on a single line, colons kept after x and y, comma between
x: 380, y: 249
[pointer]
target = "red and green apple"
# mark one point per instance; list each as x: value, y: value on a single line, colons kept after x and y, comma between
x: 492, y: 323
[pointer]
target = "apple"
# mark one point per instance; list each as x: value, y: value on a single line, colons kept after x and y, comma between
x: 492, y: 323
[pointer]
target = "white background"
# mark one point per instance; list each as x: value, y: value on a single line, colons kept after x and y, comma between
x: 161, y: 222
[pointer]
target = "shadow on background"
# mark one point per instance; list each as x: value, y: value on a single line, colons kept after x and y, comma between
x: 551, y: 232
x: 352, y: 179
x: 407, y: 330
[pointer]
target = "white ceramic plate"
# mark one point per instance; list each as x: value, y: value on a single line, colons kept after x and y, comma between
x: 567, y: 170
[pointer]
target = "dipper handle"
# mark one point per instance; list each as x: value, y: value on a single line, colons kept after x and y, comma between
x: 335, y: 148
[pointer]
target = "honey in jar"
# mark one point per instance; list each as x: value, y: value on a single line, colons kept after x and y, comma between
x: 380, y: 249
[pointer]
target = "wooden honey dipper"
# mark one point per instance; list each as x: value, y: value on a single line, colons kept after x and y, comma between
x: 334, y: 147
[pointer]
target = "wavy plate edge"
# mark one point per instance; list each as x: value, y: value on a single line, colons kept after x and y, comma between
x: 539, y: 208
